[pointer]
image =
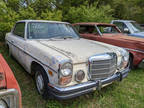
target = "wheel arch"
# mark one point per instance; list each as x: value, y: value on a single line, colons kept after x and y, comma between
x: 131, y: 60
x: 131, y: 55
x: 33, y: 64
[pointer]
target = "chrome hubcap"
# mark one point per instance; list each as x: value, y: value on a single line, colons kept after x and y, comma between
x: 40, y: 83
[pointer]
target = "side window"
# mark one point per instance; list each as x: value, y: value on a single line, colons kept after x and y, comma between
x: 83, y: 29
x: 87, y: 29
x: 119, y: 25
x: 122, y: 27
x: 77, y: 27
x: 114, y: 30
x: 19, y: 29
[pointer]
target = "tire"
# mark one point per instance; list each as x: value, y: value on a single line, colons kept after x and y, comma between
x: 131, y: 63
x: 9, y: 51
x: 41, y: 81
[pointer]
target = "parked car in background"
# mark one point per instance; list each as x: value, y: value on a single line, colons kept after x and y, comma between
x: 109, y: 33
x: 10, y: 94
x: 129, y: 27
x: 142, y: 25
x: 64, y: 65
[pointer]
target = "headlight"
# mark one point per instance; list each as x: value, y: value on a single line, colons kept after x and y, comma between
x: 65, y: 73
x: 123, y: 58
x: 66, y: 69
x: 9, y: 98
x: 3, y: 104
x: 79, y: 76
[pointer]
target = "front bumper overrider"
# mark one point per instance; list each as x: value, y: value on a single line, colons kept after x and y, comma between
x: 83, y: 88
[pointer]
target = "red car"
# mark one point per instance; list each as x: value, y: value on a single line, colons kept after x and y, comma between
x: 10, y: 94
x: 109, y: 33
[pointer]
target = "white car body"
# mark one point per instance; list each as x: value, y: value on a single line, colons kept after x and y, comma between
x: 50, y: 53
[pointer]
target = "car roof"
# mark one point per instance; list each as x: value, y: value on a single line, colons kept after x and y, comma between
x: 43, y: 21
x: 93, y: 23
x: 124, y: 20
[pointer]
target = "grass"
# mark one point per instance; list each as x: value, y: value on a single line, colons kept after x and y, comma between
x: 127, y: 94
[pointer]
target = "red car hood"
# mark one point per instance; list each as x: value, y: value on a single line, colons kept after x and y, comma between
x: 120, y: 36
x: 10, y: 81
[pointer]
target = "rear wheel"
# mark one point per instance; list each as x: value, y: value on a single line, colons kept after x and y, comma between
x: 41, y: 81
x: 131, y: 63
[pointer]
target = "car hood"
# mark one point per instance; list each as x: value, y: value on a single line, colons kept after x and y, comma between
x: 78, y: 50
x: 140, y: 34
x: 113, y: 34
x: 123, y: 37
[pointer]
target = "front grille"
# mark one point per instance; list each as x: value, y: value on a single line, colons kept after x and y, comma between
x: 102, y: 66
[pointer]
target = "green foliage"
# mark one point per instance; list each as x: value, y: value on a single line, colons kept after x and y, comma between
x: 89, y: 14
x: 41, y: 6
x: 51, y: 15
x: 53, y: 104
x: 68, y: 10
x: 13, y: 4
x: 10, y: 12
x: 127, y: 9
x: 7, y: 19
x: 27, y: 13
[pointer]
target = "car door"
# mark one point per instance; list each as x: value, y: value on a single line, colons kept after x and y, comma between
x: 94, y: 34
x: 18, y: 40
x: 108, y: 34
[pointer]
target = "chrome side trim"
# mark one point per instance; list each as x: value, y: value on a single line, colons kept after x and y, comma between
x: 33, y: 57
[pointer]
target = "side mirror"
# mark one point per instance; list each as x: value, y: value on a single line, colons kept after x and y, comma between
x: 126, y: 30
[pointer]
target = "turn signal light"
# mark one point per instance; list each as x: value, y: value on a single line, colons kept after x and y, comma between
x: 65, y: 80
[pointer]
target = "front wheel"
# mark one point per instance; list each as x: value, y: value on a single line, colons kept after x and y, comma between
x: 41, y: 81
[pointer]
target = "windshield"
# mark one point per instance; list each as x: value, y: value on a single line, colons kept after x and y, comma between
x: 107, y: 29
x: 47, y: 30
x: 136, y: 27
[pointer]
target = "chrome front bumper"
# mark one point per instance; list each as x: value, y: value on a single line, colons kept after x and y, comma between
x: 83, y: 88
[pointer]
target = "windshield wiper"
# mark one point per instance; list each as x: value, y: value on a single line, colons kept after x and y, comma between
x: 66, y: 37
x: 56, y: 37
x: 61, y: 37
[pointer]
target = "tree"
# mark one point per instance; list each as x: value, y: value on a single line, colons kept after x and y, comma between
x: 89, y: 14
x: 68, y: 10
x: 7, y: 18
